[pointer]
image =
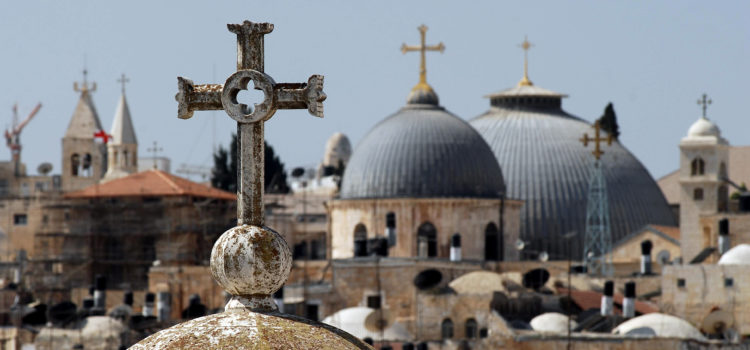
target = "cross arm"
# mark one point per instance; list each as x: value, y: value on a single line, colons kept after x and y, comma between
x: 202, y: 97
x: 308, y: 95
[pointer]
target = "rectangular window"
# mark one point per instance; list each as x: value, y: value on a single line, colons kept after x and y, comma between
x: 729, y: 282
x: 19, y: 220
x: 374, y: 301
x: 680, y: 283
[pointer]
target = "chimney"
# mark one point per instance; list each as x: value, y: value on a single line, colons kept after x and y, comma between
x: 628, y: 304
x: 88, y: 304
x: 278, y: 298
x: 607, y: 308
x: 163, y: 306
x: 456, y: 247
x: 100, y: 295
x: 724, y: 243
x: 646, y: 247
x: 407, y: 346
x: 148, y: 305
x: 127, y: 298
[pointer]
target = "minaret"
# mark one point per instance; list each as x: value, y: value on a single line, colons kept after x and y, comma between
x: 122, y: 150
x: 83, y: 157
x: 704, y: 162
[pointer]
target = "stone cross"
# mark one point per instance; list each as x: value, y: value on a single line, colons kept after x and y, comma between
x: 250, y: 119
x: 704, y: 102
x: 422, y: 48
x: 123, y: 80
x: 597, y: 140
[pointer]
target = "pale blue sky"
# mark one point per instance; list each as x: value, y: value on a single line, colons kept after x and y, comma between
x: 651, y: 59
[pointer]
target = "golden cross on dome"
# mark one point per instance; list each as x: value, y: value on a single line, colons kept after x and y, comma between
x: 422, y: 48
x: 704, y: 102
x: 525, y: 45
x: 597, y: 140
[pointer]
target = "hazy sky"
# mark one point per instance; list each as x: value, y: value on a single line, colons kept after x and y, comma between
x: 651, y: 59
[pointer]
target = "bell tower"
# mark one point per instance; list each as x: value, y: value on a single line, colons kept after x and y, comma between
x: 704, y: 161
x: 122, y: 150
x: 83, y: 158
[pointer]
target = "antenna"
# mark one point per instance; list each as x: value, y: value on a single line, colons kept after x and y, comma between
x: 663, y: 257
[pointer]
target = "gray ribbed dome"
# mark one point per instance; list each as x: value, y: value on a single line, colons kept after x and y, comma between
x: 544, y: 163
x: 422, y: 151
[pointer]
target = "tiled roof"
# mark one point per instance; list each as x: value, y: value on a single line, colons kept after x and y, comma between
x: 151, y: 183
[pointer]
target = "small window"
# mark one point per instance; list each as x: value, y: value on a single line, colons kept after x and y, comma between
x: 312, y: 311
x: 19, y: 220
x: 698, y: 194
x: 680, y: 283
x: 729, y: 282
x: 471, y: 328
x: 374, y: 301
x: 45, y: 219
x: 447, y: 329
x: 697, y: 167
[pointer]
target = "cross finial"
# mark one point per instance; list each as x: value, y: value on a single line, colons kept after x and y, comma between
x: 422, y: 48
x: 84, y: 88
x: 598, y: 139
x: 525, y: 45
x: 123, y: 80
x: 155, y: 150
x: 704, y: 101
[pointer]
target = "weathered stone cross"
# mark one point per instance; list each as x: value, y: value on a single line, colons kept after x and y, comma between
x: 250, y: 119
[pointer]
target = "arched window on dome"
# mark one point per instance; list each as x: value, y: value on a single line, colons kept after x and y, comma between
x: 427, y: 240
x: 492, y: 243
x: 722, y: 195
x: 446, y: 329
x: 471, y: 328
x: 360, y: 240
x: 697, y: 167
x: 698, y: 194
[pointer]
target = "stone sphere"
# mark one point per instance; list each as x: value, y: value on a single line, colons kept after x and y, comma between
x: 251, y: 261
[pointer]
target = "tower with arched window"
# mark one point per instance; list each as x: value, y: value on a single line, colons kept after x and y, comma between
x: 122, y: 149
x: 82, y: 156
x: 703, y: 167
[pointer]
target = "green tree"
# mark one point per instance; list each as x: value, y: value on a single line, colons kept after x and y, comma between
x: 736, y: 194
x: 224, y: 172
x: 608, y: 121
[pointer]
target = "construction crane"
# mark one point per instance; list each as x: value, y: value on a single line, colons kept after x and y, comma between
x: 13, y: 136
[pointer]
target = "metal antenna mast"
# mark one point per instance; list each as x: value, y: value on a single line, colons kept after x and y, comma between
x: 598, y: 238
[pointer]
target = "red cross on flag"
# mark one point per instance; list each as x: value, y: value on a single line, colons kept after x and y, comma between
x: 102, y: 136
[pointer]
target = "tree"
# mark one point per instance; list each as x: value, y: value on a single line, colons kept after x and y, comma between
x: 608, y: 121
x: 224, y: 172
x: 736, y: 194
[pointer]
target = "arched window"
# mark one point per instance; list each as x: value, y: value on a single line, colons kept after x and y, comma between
x: 446, y: 329
x: 723, y: 198
x: 75, y: 162
x: 427, y: 240
x: 86, y: 165
x: 698, y: 194
x: 390, y: 228
x: 492, y: 243
x: 697, y: 166
x: 471, y: 328
x: 125, y: 158
x: 360, y: 240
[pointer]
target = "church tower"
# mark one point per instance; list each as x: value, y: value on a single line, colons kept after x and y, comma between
x: 83, y: 157
x: 703, y: 166
x: 122, y: 149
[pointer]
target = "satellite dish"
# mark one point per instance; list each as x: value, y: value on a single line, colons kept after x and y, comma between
x: 520, y: 244
x: 44, y: 168
x: 379, y: 320
x: 428, y: 279
x: 663, y: 257
x: 717, y: 322
x: 543, y: 256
